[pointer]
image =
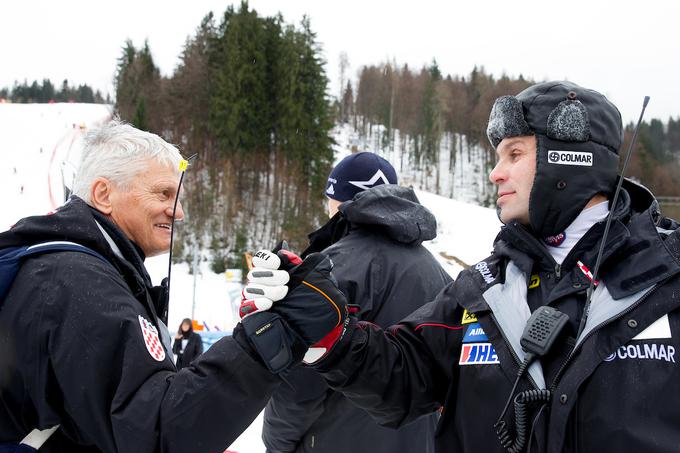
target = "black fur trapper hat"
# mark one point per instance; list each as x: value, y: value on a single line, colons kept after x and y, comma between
x: 578, y: 135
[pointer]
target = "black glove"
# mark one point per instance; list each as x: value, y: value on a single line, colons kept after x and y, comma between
x: 313, y: 309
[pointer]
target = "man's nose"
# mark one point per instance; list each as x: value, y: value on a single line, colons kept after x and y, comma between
x: 497, y: 175
x: 179, y: 213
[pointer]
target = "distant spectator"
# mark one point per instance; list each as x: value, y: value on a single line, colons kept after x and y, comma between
x: 188, y: 344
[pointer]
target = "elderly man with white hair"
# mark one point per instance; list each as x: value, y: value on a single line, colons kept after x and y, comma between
x: 85, y: 359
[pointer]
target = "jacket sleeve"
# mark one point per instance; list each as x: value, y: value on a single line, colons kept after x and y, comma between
x: 176, y: 346
x: 293, y: 409
x: 403, y: 372
x: 199, y: 345
x: 97, y: 377
x: 300, y: 399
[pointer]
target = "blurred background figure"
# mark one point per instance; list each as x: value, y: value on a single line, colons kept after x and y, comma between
x: 188, y: 344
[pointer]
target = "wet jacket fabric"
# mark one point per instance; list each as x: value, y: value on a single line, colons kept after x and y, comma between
x: 82, y: 346
x: 613, y: 386
x: 380, y: 264
x: 193, y: 349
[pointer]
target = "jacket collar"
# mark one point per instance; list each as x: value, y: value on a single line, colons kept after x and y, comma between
x: 635, y: 255
x: 76, y: 221
x: 331, y: 232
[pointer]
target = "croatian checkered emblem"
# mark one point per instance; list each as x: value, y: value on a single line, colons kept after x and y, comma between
x: 153, y: 343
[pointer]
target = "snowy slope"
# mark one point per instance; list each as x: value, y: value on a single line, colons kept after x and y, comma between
x: 37, y: 141
x: 42, y: 142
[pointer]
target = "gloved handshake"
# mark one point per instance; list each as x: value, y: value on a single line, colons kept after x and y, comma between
x: 290, y: 305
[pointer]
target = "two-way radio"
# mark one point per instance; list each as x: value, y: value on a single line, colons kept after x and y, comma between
x: 542, y: 329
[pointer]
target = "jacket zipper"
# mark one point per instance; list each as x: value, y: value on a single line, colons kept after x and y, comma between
x: 619, y: 315
x: 512, y: 351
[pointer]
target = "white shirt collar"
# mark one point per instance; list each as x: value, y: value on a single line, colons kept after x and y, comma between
x: 578, y: 228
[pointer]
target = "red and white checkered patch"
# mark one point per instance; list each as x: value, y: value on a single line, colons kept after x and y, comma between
x: 587, y: 273
x: 153, y: 343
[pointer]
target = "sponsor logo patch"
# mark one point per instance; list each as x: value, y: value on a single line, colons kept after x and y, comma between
x: 468, y: 317
x: 535, y: 281
x: 478, y: 354
x: 583, y: 159
x: 555, y: 241
x: 644, y: 351
x: 475, y: 334
x: 153, y: 343
x: 484, y: 271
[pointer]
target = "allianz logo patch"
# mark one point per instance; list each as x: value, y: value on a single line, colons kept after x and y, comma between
x: 583, y: 159
x: 478, y: 354
x: 475, y: 334
x: 660, y: 329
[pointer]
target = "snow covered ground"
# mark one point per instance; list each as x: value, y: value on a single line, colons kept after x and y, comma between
x: 40, y: 144
x: 37, y: 141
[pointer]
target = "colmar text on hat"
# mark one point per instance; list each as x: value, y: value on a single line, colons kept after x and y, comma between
x: 578, y: 135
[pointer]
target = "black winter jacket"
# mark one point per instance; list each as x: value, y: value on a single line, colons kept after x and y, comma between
x: 382, y: 266
x: 193, y: 349
x: 73, y: 352
x: 613, y: 388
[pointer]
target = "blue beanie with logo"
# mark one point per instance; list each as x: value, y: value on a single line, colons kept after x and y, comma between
x: 357, y: 172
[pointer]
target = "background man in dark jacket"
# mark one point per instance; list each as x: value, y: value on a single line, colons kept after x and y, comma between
x: 374, y: 239
x: 84, y: 352
x: 609, y: 382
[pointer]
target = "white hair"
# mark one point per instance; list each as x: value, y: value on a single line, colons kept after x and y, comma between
x: 118, y: 152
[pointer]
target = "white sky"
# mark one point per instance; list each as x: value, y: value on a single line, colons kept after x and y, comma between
x: 625, y: 49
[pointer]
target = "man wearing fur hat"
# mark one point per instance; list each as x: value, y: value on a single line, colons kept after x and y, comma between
x: 609, y: 381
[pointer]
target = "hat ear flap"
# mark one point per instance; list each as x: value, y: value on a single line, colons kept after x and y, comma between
x: 506, y: 120
x: 569, y: 122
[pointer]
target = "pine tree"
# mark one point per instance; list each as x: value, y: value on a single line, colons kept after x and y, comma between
x: 673, y: 138
x: 347, y: 103
x: 137, y: 85
x: 240, y: 111
x: 431, y: 120
x: 47, y: 91
x: 139, y: 118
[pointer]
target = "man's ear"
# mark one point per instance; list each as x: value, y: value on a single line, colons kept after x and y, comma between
x: 100, y: 195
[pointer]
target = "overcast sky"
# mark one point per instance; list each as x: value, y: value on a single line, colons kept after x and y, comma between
x: 625, y: 49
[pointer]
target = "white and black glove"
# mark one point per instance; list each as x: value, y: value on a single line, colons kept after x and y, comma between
x: 284, y: 315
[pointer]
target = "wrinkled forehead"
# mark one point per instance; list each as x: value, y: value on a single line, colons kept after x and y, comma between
x: 152, y: 171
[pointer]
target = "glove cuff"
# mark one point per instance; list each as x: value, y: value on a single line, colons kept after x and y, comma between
x: 319, y: 350
x: 325, y: 360
x: 277, y: 345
